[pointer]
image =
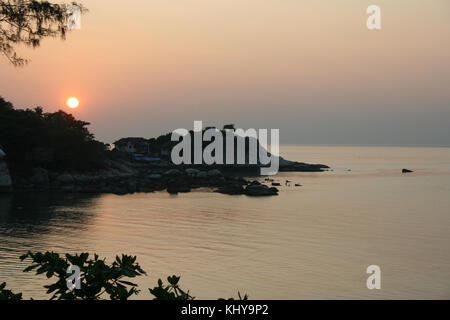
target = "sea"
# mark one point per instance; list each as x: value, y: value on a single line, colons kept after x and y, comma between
x: 313, y: 241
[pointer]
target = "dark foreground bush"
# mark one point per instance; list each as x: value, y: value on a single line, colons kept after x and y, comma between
x: 97, y: 279
x: 6, y: 294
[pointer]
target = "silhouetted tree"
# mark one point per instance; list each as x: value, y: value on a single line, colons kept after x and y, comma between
x: 28, y: 22
x: 55, y: 140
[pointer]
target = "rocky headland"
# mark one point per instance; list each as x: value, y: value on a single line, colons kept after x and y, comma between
x: 124, y: 176
x: 42, y: 151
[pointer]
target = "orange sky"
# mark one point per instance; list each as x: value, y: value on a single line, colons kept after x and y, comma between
x: 310, y: 68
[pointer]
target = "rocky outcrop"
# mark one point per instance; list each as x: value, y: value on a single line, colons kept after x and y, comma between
x: 257, y: 189
x: 5, y: 177
x: 231, y: 189
x: 286, y: 165
x: 176, y: 186
x: 125, y: 177
x: 276, y: 184
x: 65, y: 179
x: 40, y: 177
x: 193, y: 173
x: 173, y: 173
x: 214, y: 173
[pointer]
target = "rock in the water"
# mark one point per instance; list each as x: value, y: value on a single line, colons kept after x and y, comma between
x: 260, y: 190
x: 40, y: 177
x: 406, y: 171
x: 5, y: 178
x: 83, y: 178
x: 131, y: 186
x: 202, y: 175
x: 154, y: 176
x: 65, y: 178
x: 177, y: 185
x: 232, y: 189
x: 174, y: 189
x: 214, y: 173
x: 173, y: 173
x: 192, y: 172
x: 286, y: 165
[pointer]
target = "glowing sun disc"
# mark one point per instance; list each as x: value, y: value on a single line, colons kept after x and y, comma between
x: 72, y: 102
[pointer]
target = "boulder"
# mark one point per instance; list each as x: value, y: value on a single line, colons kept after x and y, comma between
x: 276, y: 184
x: 22, y: 183
x: 177, y: 185
x: 192, y: 172
x: 131, y: 186
x: 83, y: 179
x: 202, y: 175
x: 219, y: 181
x: 5, y: 178
x: 232, y: 189
x: 260, y: 190
x: 120, y: 190
x: 40, y: 177
x: 174, y: 189
x: 65, y: 178
x: 173, y: 173
x: 68, y: 188
x: 214, y: 173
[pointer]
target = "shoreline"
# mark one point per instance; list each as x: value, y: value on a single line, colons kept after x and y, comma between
x: 127, y: 177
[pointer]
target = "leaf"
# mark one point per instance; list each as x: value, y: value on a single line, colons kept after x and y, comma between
x: 29, y: 268
x: 128, y: 283
x: 173, y: 280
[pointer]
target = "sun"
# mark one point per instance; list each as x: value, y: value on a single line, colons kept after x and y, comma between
x: 72, y: 102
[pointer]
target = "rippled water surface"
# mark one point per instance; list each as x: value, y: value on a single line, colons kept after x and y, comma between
x: 309, y: 242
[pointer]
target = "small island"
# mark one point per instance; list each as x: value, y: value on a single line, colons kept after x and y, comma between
x: 54, y: 151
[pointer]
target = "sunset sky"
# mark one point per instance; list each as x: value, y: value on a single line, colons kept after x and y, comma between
x: 310, y: 68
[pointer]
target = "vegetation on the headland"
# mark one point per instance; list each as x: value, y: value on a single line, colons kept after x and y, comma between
x: 54, y: 141
x: 98, y: 280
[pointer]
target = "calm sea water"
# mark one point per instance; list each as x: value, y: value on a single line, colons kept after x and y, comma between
x: 310, y: 242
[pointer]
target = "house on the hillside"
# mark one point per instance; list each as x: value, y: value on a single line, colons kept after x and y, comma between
x: 132, y: 145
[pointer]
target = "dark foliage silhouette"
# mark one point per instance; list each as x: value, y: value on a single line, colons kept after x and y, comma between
x: 98, y: 280
x: 54, y: 141
x: 27, y: 22
x: 6, y: 294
